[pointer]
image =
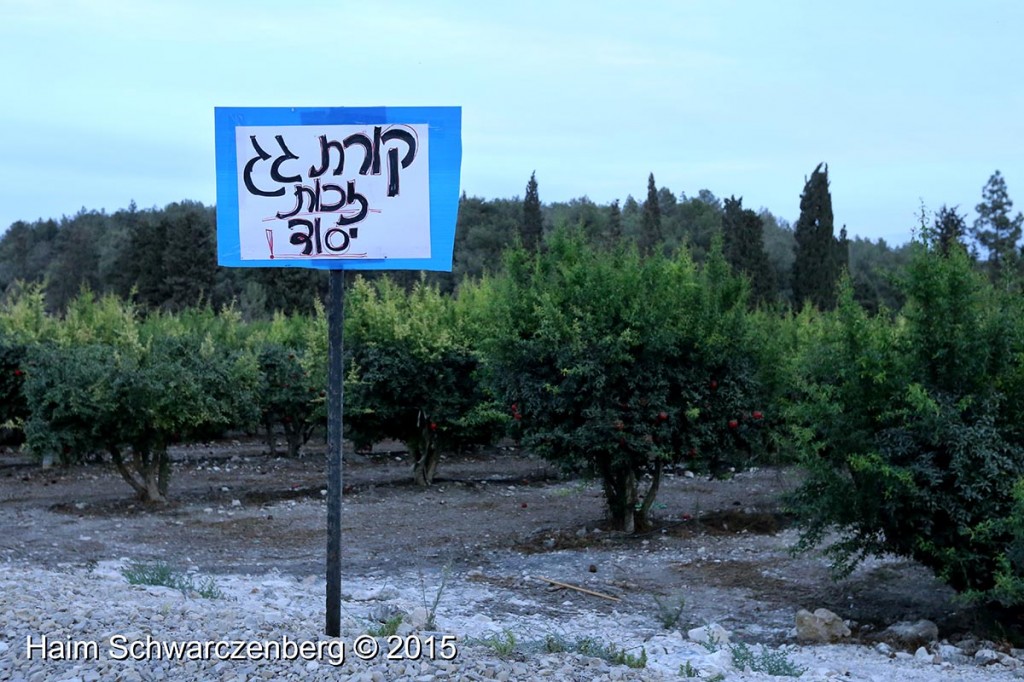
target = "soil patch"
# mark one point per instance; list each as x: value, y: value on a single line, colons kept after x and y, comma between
x: 502, y: 518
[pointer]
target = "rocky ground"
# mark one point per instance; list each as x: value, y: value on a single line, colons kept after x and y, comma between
x: 468, y: 567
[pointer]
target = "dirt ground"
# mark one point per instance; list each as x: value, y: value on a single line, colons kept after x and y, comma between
x: 494, y: 517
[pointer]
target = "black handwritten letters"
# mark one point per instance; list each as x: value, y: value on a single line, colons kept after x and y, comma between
x: 334, y: 181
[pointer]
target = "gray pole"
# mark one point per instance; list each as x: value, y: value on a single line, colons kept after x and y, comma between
x: 335, y: 410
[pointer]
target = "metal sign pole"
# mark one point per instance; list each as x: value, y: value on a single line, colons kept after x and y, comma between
x: 335, y: 412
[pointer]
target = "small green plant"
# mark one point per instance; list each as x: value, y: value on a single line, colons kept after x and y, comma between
x: 765, y: 661
x: 611, y: 653
x: 446, y: 574
x: 504, y: 644
x: 712, y: 644
x: 688, y: 671
x: 557, y: 644
x: 137, y: 573
x: 161, y: 574
x: 206, y: 588
x: 388, y: 628
x: 628, y: 659
x: 669, y: 610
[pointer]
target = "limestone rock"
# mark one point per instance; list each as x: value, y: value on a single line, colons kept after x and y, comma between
x: 910, y: 635
x: 713, y: 633
x: 822, y: 626
x: 418, y: 618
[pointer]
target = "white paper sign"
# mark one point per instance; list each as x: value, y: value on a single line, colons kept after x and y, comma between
x: 333, y: 191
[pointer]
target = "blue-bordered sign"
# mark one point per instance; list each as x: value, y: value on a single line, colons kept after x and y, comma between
x: 341, y: 188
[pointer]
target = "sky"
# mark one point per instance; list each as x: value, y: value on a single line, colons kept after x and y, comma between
x: 909, y: 103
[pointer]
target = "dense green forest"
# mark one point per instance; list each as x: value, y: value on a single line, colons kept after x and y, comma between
x: 138, y: 254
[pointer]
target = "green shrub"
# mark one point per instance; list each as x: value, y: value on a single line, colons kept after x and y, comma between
x: 412, y: 374
x: 910, y: 431
x: 13, y: 408
x: 615, y: 365
x: 132, y: 402
x: 289, y: 397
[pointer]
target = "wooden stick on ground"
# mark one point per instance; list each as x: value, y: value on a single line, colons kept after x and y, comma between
x: 579, y: 589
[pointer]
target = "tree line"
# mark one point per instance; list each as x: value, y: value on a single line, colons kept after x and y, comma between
x: 165, y: 258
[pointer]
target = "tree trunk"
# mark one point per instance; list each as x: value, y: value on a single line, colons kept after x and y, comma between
x: 271, y: 441
x: 629, y: 502
x: 616, y: 493
x: 152, y: 478
x: 163, y: 471
x: 611, y: 493
x: 126, y: 474
x: 294, y: 436
x: 425, y: 457
x: 433, y: 456
x: 147, y: 475
x: 622, y: 495
x: 643, y: 521
x: 417, y: 463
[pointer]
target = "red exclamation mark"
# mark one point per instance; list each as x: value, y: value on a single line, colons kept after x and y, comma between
x: 270, y: 241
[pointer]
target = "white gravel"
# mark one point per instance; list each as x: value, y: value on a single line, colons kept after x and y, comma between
x: 82, y: 605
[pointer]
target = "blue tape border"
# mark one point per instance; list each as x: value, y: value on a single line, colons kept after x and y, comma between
x: 445, y: 171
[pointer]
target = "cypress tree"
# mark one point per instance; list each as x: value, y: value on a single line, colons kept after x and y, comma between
x: 533, y: 221
x: 614, y: 234
x: 650, y: 226
x: 820, y: 257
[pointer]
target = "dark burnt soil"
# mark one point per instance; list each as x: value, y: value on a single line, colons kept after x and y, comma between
x: 499, y: 517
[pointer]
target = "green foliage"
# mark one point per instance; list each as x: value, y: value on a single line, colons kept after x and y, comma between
x: 388, y: 628
x: 504, y: 644
x: 431, y: 608
x: 950, y: 229
x: 70, y: 393
x: 13, y: 407
x: 616, y: 364
x: 995, y: 228
x: 650, y: 227
x: 613, y: 233
x: 692, y: 222
x: 669, y: 610
x: 688, y: 671
x: 98, y: 396
x: 611, y: 653
x: 412, y: 374
x: 23, y: 317
x: 289, y: 397
x: 767, y: 661
x: 161, y: 574
x: 484, y: 229
x: 533, y: 220
x: 874, y: 271
x: 743, y: 246
x: 910, y: 428
x: 588, y: 646
x: 820, y: 258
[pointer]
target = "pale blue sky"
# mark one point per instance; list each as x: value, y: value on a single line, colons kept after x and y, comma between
x: 106, y: 101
